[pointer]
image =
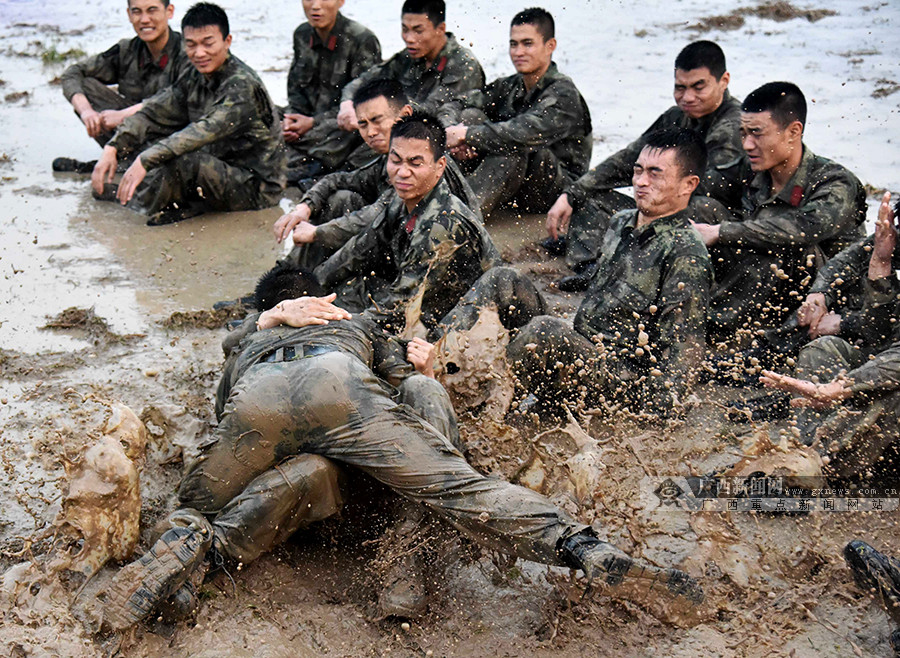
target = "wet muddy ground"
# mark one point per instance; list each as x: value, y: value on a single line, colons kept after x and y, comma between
x: 88, y: 292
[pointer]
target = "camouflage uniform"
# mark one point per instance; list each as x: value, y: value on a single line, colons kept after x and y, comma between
x: 130, y: 66
x: 317, y: 75
x: 856, y: 433
x: 455, y: 70
x: 290, y: 417
x: 640, y: 331
x: 766, y: 259
x: 593, y: 196
x: 344, y: 203
x: 428, y: 257
x: 536, y: 141
x: 224, y: 149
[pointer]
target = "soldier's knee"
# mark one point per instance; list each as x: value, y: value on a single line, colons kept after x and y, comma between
x: 315, y: 470
x: 541, y: 326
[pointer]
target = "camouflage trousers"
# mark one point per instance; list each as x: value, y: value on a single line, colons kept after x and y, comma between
x: 102, y: 97
x: 856, y: 433
x: 198, y: 182
x: 310, y: 256
x: 331, y: 146
x: 312, y: 413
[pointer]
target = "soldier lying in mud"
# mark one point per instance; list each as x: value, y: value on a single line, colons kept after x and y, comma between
x: 312, y: 388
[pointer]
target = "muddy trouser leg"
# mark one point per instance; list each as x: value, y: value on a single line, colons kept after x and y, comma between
x: 327, y: 143
x: 102, y: 97
x: 514, y: 295
x: 224, y: 187
x: 310, y: 256
x: 543, y: 181
x: 497, y: 180
x: 555, y: 362
x: 334, y: 406
x: 430, y: 400
x: 588, y: 226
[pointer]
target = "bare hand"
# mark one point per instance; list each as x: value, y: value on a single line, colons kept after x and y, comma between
x: 346, y: 117
x: 302, y: 312
x: 807, y: 393
x: 304, y: 233
x: 132, y: 177
x: 421, y: 354
x: 812, y: 310
x: 105, y: 169
x: 885, y: 240
x: 111, y: 119
x: 709, y: 233
x: 559, y: 216
x: 295, y: 126
x: 456, y: 135
x: 828, y: 325
x: 464, y: 152
x: 286, y: 223
x: 93, y: 121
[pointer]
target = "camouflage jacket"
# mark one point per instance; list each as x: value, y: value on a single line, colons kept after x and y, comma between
x: 320, y: 71
x: 552, y: 115
x: 130, y: 65
x: 823, y: 206
x: 653, y: 280
x: 228, y: 115
x: 881, y: 373
x: 454, y: 71
x: 720, y: 130
x: 430, y: 256
x: 360, y: 337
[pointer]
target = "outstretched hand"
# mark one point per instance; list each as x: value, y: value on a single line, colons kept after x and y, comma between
x: 885, y: 240
x: 302, y: 312
x: 807, y: 393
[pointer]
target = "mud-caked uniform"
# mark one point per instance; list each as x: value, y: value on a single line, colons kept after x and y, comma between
x: 594, y: 199
x: 530, y: 143
x: 318, y: 74
x: 292, y: 414
x: 766, y: 258
x: 455, y: 70
x: 855, y: 433
x: 223, y: 149
x: 130, y: 66
x: 640, y: 332
x: 411, y: 266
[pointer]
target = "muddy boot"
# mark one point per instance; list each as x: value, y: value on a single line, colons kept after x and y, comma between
x: 142, y: 585
x: 186, y: 599
x: 73, y: 166
x: 404, y: 593
x: 668, y: 593
x: 555, y: 247
x: 172, y: 214
x: 875, y: 573
x: 581, y: 280
x: 109, y: 193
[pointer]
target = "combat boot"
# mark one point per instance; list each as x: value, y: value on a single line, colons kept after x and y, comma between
x: 71, y: 165
x: 142, y: 585
x: 581, y: 280
x: 404, y: 594
x: 875, y: 573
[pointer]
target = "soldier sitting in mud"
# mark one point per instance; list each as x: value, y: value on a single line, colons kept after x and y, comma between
x: 140, y: 67
x: 327, y: 216
x: 311, y: 390
x: 433, y: 68
x: 330, y: 51
x: 525, y: 137
x: 578, y: 220
x: 798, y: 210
x: 847, y: 394
x: 223, y: 148
x: 641, y: 329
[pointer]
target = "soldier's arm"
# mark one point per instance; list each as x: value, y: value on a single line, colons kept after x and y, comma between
x: 878, y: 375
x: 722, y: 180
x: 164, y: 112
x: 847, y: 267
x: 367, y: 181
x: 299, y: 100
x: 104, y: 67
x: 829, y: 210
x: 356, y: 257
x: 389, y: 360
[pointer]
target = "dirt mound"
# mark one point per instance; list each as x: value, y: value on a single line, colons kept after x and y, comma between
x: 203, y: 319
x: 775, y: 11
x: 85, y: 320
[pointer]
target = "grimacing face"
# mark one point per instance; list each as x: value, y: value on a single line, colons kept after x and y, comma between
x: 659, y: 184
x: 376, y: 117
x: 206, y: 47
x: 528, y: 50
x: 412, y: 169
x: 422, y: 37
x: 697, y: 92
x: 150, y: 19
x: 322, y: 14
x: 766, y: 143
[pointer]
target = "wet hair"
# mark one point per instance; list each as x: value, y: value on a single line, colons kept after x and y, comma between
x: 436, y: 10
x: 540, y: 18
x: 690, y: 149
x: 702, y: 54
x: 283, y: 282
x: 391, y: 90
x: 421, y: 125
x: 783, y: 100
x: 206, y: 13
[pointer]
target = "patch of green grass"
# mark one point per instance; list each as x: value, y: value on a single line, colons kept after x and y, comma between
x: 54, y: 55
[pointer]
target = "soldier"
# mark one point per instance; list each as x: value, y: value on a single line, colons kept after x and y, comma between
x: 527, y: 136
x: 878, y: 574
x: 798, y: 210
x: 330, y: 51
x: 304, y: 393
x: 140, y: 67
x: 223, y: 148
x: 433, y: 68
x: 424, y: 247
x: 703, y: 104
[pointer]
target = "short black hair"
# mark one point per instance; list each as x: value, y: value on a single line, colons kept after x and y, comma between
x: 421, y: 125
x: 436, y: 10
x: 784, y: 100
x: 206, y: 13
x: 702, y: 54
x: 391, y: 89
x: 540, y: 18
x: 165, y: 3
x: 283, y: 282
x: 690, y: 149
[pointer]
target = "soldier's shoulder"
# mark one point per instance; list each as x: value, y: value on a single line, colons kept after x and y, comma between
x: 822, y: 166
x: 458, y: 54
x: 302, y: 33
x: 359, y: 31
x: 685, y: 241
x: 243, y: 74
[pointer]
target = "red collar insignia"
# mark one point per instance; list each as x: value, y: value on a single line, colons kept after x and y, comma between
x: 332, y: 42
x: 442, y: 64
x: 411, y: 223
x: 796, y: 195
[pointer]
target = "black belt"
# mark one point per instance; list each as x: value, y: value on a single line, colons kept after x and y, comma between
x: 290, y: 353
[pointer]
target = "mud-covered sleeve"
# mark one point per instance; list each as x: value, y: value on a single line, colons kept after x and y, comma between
x: 450, y: 113
x: 849, y: 265
x: 165, y: 112
x: 828, y: 211
x: 105, y: 67
x: 724, y: 155
x: 363, y: 181
x: 876, y: 322
x: 880, y: 374
x: 389, y: 360
x: 340, y: 230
